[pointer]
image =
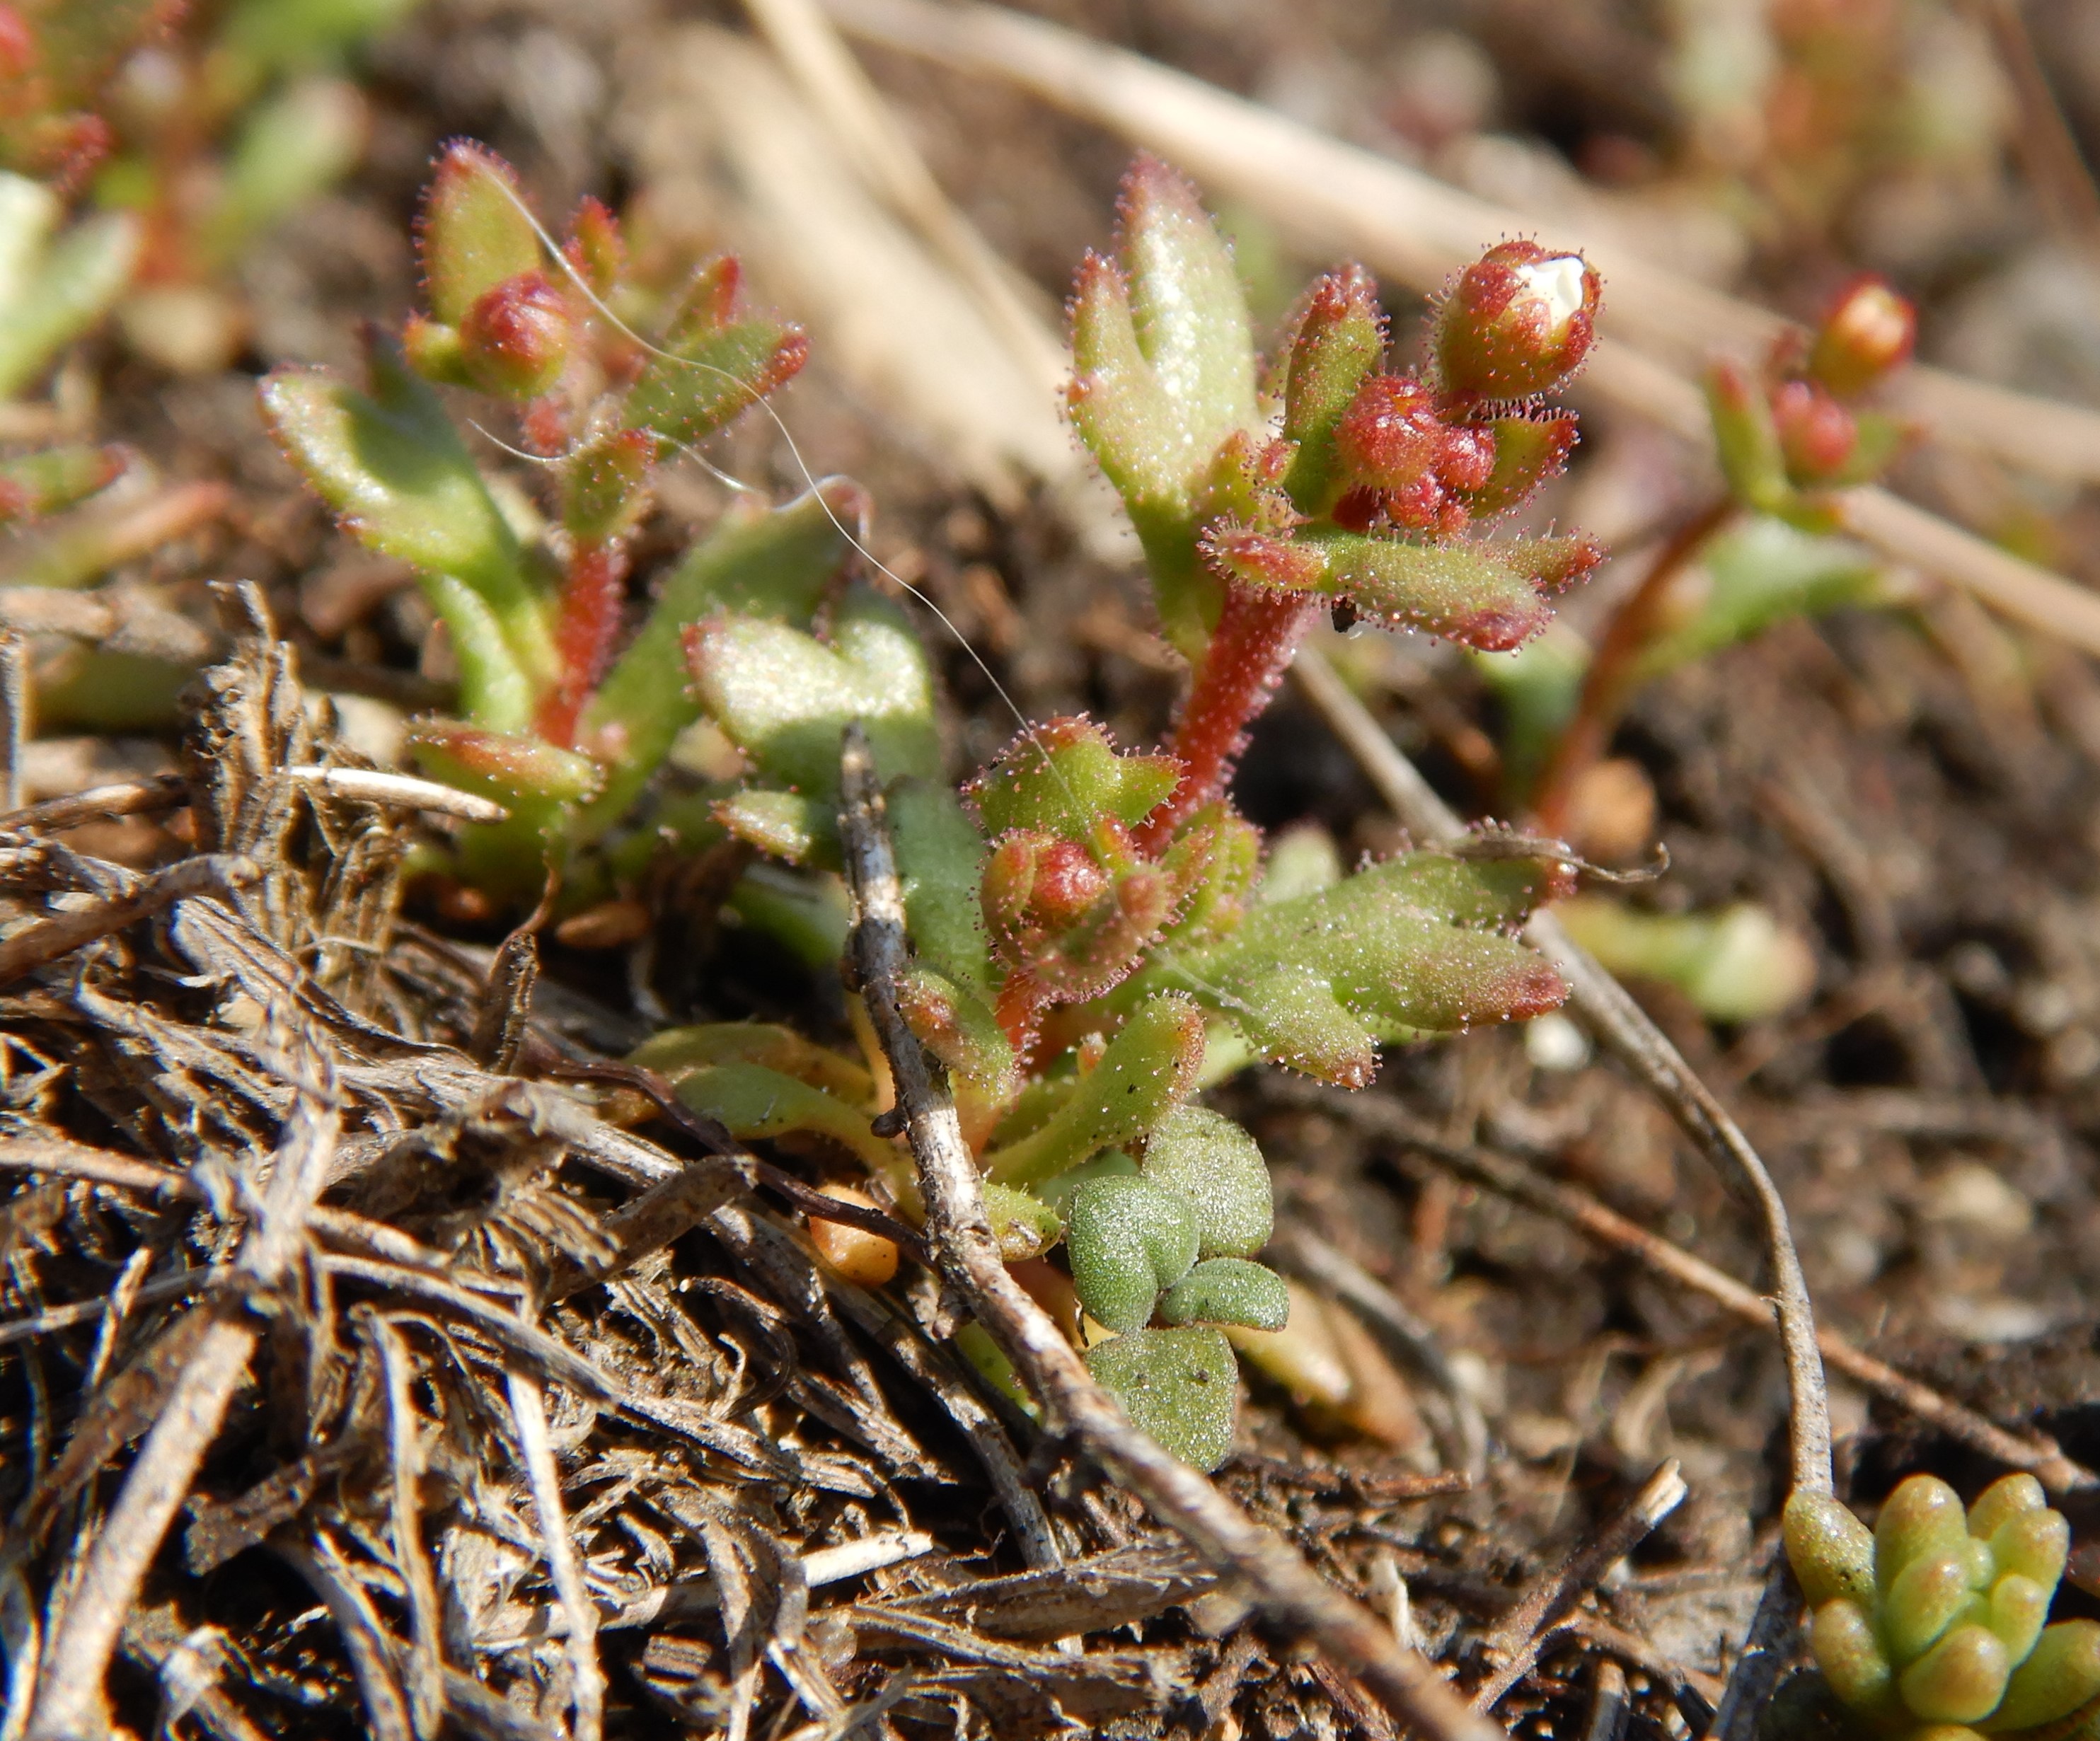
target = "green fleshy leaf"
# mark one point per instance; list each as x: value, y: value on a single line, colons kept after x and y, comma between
x: 712, y: 372
x: 1063, y: 777
x: 1922, y: 1518
x: 1831, y: 1551
x: 1147, y: 1070
x: 49, y: 296
x: 1763, y: 572
x: 1317, y: 981
x: 1736, y: 965
x: 1217, y: 857
x: 1208, y: 1159
x: 786, y: 825
x: 474, y: 230
x: 754, y: 1102
x: 772, y: 566
x: 1164, y: 373
x: 1465, y: 591
x: 1851, y: 1657
x: 1926, y: 1599
x: 677, y: 1053
x: 1229, y: 1290
x: 940, y: 863
x: 982, y: 1352
x: 510, y: 768
x: 2019, y: 1611
x: 785, y: 699
x: 1340, y: 339
x: 1127, y: 1240
x: 1025, y: 1226
x: 1180, y: 1387
x: 1960, y: 1680
x: 34, y: 484
x: 808, y: 915
x: 2010, y: 1497
x: 1746, y: 439
x: 960, y: 1030
x: 2037, y: 1545
x: 399, y: 478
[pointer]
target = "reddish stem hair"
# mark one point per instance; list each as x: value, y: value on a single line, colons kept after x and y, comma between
x: 1257, y: 631
x: 583, y: 633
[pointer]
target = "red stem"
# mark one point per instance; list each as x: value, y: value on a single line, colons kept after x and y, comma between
x: 1609, y: 683
x: 584, y: 634
x: 1257, y: 633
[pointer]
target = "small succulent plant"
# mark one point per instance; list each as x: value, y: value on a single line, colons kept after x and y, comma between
x: 1936, y: 1622
x: 1094, y: 931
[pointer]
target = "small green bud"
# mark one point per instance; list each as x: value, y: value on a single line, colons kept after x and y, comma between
x: 1229, y: 1290
x: 2008, y: 1497
x: 1063, y: 776
x: 1178, y: 1386
x: 1340, y: 339
x: 1128, y: 1239
x: 1960, y: 1679
x: 1921, y: 1518
x: 1025, y: 1226
x: 1850, y: 1655
x: 1516, y: 324
x: 1927, y: 1596
x: 2036, y: 1545
x: 1746, y: 439
x: 2019, y: 1610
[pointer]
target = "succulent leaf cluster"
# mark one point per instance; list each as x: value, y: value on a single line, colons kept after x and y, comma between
x: 1937, y: 1620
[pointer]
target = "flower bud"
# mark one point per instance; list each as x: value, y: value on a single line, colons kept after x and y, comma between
x: 1817, y: 435
x: 1867, y: 334
x: 515, y: 338
x: 1518, y: 322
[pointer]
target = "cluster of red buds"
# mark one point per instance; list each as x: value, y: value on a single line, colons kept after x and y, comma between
x: 1434, y: 456
x: 1800, y: 426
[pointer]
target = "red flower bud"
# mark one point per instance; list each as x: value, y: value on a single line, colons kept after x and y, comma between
x: 1867, y: 334
x: 18, y: 43
x: 1517, y: 323
x: 1816, y: 434
x: 515, y: 338
x: 1390, y: 438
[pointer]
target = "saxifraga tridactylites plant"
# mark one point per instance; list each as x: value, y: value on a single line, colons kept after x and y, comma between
x: 1091, y: 932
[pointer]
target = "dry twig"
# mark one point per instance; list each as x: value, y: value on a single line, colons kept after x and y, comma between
x: 1518, y: 1638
